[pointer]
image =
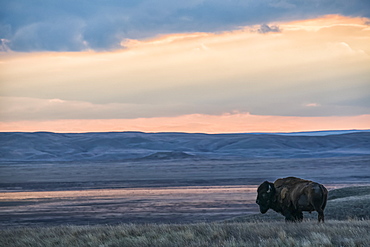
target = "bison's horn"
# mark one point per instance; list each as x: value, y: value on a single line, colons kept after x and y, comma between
x: 269, y: 189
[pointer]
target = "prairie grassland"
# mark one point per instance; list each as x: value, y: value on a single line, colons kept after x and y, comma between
x: 349, y: 203
x: 349, y: 225
x: 332, y: 233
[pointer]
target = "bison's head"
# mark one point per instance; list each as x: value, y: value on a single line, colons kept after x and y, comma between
x: 266, y: 193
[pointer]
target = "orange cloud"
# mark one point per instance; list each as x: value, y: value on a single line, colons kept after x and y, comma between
x: 317, y: 67
x: 326, y: 21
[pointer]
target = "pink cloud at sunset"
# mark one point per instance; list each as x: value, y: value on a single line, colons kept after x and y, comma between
x: 283, y: 76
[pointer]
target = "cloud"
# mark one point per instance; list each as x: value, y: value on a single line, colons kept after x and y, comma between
x: 25, y: 108
x: 264, y: 28
x: 4, y: 45
x: 101, y: 25
x: 283, y: 4
x: 199, y: 73
x: 60, y: 35
x: 312, y: 105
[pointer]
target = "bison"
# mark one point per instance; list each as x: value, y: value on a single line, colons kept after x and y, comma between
x: 290, y: 196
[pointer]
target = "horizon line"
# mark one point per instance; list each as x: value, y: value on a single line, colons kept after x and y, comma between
x: 182, y: 132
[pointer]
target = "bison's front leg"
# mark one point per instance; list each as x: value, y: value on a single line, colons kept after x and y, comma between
x: 289, y: 217
x: 298, y: 215
x: 293, y: 216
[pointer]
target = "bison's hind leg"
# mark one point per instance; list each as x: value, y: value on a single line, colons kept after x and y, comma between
x: 320, y: 211
x: 319, y: 202
x: 321, y: 217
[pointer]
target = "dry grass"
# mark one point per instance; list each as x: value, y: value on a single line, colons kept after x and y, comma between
x: 351, y: 204
x: 333, y: 233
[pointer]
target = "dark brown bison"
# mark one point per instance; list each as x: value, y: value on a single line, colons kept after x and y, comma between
x: 290, y: 196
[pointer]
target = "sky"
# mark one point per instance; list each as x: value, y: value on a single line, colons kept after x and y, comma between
x: 184, y: 66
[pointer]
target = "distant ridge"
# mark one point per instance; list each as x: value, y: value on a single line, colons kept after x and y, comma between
x: 123, y: 146
x: 322, y: 132
x: 300, y: 133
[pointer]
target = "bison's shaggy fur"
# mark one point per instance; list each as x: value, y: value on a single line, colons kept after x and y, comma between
x: 290, y: 196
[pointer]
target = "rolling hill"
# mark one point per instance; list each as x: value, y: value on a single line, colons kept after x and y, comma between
x: 118, y: 146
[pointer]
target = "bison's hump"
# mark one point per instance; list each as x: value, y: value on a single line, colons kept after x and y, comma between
x: 289, y: 181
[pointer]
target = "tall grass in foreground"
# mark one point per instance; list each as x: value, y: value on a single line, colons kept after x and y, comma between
x: 310, y: 233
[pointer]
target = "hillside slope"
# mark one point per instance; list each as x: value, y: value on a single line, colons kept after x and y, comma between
x: 116, y: 146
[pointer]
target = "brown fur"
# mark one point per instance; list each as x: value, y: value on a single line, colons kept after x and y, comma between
x: 302, y: 195
x: 290, y: 196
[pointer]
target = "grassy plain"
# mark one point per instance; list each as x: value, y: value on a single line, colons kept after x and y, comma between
x: 176, y: 203
x: 332, y: 233
x: 349, y: 225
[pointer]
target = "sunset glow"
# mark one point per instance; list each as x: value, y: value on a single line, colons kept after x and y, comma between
x: 300, y: 75
x: 196, y: 123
